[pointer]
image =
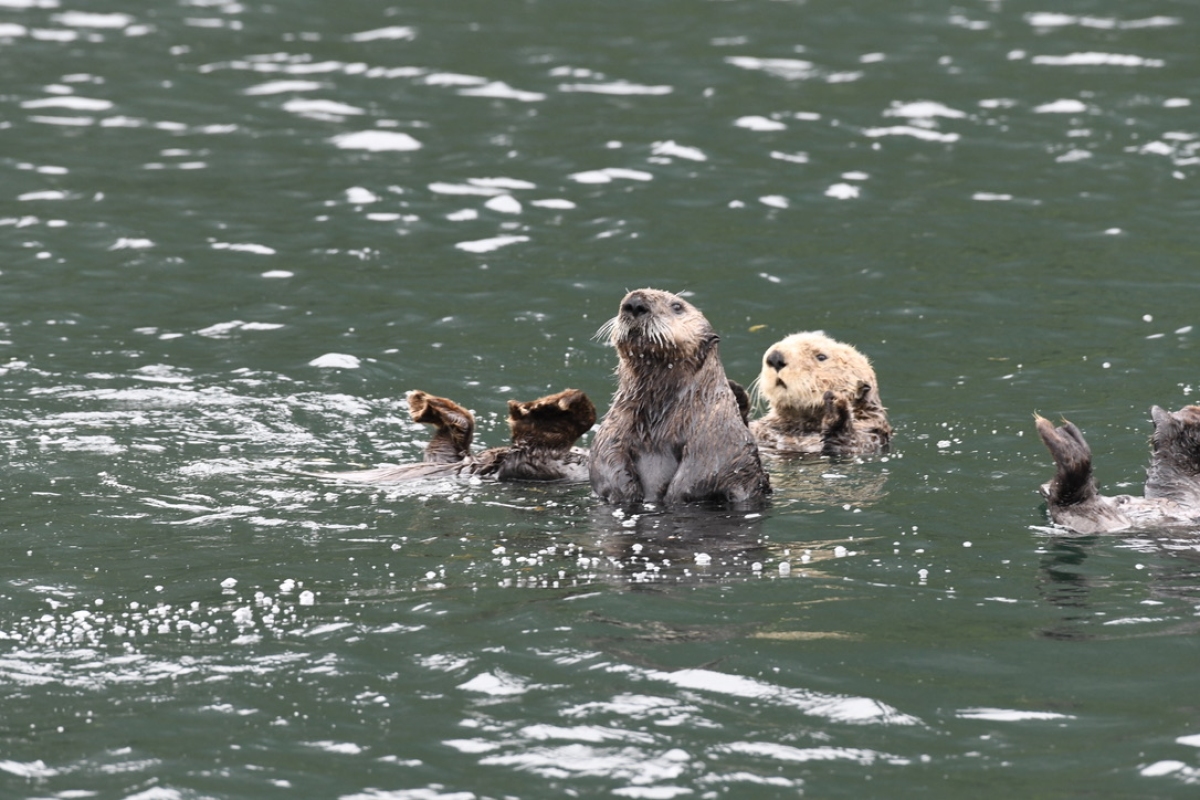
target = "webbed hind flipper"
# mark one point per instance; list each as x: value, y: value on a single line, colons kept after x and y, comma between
x: 454, y: 427
x: 1071, y: 495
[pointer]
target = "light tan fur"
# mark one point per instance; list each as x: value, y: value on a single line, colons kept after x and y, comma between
x: 823, y: 397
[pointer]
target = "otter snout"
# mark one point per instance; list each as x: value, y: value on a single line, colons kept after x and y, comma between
x: 776, y: 361
x: 635, y: 305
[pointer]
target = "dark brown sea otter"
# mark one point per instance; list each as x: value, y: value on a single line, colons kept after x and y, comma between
x: 1172, y: 493
x: 544, y: 432
x: 675, y: 432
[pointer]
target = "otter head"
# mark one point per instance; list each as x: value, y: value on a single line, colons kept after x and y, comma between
x: 653, y: 327
x: 554, y: 422
x: 800, y: 369
x: 1176, y: 439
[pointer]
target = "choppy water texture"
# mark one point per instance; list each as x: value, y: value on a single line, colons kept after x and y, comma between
x: 235, y: 233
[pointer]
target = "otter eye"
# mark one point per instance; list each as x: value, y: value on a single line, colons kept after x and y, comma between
x: 677, y: 307
x: 821, y: 356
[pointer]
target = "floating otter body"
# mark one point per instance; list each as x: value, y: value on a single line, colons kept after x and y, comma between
x: 1172, y: 493
x: 823, y: 397
x: 675, y: 432
x: 544, y: 432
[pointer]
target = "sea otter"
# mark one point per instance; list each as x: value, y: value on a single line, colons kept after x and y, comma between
x: 1172, y: 493
x: 823, y: 399
x: 544, y: 432
x: 675, y: 432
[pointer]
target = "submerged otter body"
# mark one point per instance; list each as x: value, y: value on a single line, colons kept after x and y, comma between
x: 1172, y: 493
x: 544, y: 432
x: 823, y: 398
x: 675, y: 432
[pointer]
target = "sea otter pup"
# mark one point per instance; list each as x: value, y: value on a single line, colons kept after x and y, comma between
x: 1172, y: 493
x: 823, y: 398
x: 543, y: 434
x: 674, y: 433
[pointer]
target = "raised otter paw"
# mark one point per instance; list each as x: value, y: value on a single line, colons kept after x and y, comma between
x: 838, y: 434
x: 454, y: 426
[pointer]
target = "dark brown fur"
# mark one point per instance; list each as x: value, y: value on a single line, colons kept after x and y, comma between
x: 544, y: 432
x: 1172, y: 493
x: 675, y: 432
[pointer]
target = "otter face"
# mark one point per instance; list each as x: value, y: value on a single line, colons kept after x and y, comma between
x: 658, y: 325
x: 800, y: 369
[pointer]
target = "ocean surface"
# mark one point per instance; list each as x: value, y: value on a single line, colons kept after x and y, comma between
x: 235, y: 234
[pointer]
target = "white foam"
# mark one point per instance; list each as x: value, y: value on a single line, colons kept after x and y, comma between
x: 756, y: 123
x: 488, y: 245
x: 791, y: 69
x: 84, y: 19
x: 392, y: 32
x: 608, y: 174
x: 616, y: 87
x: 842, y: 191
x: 501, y: 183
x: 502, y: 91
x: 505, y: 204
x: 280, y: 87
x: 131, y: 244
x: 244, y: 247
x: 923, y: 109
x: 49, y: 194
x: 376, y: 141
x: 70, y: 101
x: 496, y: 684
x: 1061, y: 107
x: 360, y: 196
x: 1009, y: 715
x: 671, y: 149
x: 320, y: 108
x: 908, y: 130
x: 1092, y: 59
x: 553, y: 202
x: 336, y: 361
x: 469, y: 188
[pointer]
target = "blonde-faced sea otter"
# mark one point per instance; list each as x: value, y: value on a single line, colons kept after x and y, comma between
x: 823, y: 398
x: 675, y: 432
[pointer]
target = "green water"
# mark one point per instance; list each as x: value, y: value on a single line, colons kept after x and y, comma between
x: 235, y: 234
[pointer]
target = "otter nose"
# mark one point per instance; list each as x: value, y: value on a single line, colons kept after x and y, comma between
x: 776, y: 361
x: 636, y: 306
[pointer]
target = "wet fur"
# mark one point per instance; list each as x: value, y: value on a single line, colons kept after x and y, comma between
x: 823, y: 398
x: 676, y: 431
x: 1172, y: 492
x: 544, y: 432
